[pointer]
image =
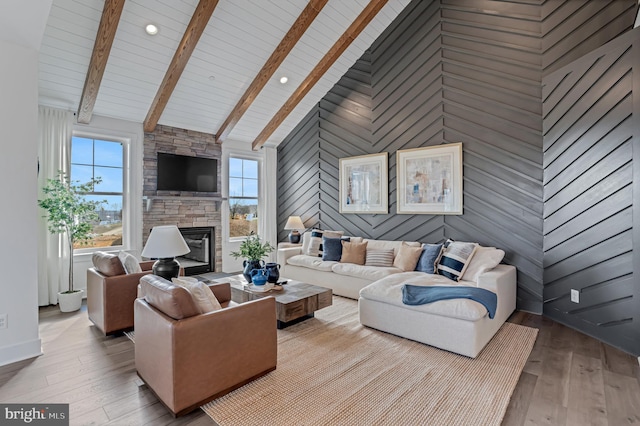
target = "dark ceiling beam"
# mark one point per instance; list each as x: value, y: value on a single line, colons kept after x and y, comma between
x: 196, y: 27
x: 101, y: 49
x: 283, y: 49
x: 360, y: 23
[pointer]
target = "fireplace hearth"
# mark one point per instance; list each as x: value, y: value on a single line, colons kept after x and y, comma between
x: 201, y: 259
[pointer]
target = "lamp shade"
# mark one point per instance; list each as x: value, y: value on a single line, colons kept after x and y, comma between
x: 294, y: 222
x: 164, y: 242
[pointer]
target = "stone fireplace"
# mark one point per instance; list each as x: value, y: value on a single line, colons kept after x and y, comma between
x: 184, y: 209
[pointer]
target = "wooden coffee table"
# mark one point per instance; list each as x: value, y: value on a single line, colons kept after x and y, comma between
x: 297, y: 301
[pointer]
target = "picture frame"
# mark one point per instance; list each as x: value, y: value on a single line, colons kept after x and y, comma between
x: 430, y: 180
x: 364, y: 184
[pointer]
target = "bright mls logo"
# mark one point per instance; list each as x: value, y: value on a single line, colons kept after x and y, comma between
x: 35, y: 414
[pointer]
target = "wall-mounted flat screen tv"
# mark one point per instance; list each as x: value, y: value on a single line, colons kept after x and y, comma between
x: 184, y: 173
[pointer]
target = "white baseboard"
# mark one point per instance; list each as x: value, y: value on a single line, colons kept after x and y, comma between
x: 21, y: 351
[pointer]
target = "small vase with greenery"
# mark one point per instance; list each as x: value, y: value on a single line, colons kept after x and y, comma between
x: 252, y: 250
x: 69, y: 213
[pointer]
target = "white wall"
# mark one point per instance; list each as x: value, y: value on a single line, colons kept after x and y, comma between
x: 266, y: 198
x: 18, y: 215
x: 132, y: 135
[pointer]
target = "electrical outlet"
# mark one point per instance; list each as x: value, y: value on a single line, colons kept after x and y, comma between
x: 4, y: 321
x: 575, y: 296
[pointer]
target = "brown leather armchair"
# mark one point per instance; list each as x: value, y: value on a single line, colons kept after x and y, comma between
x: 189, y: 358
x: 110, y: 296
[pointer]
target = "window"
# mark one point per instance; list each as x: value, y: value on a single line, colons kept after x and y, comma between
x: 243, y: 197
x: 95, y: 158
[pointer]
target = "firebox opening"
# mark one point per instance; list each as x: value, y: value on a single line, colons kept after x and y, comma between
x: 201, y: 259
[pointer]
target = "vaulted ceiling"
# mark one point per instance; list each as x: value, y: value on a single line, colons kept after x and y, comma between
x: 225, y: 81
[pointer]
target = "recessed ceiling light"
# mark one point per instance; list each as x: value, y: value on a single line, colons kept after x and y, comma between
x: 151, y: 29
x: 283, y: 79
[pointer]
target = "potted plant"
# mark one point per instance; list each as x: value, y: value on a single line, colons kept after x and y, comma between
x: 252, y: 250
x: 69, y: 213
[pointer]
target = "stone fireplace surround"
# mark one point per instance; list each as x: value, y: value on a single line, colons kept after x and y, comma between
x: 183, y: 209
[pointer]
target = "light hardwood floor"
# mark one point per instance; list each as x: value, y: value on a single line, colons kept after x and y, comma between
x: 569, y: 379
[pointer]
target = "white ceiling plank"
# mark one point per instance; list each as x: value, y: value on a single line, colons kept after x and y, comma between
x: 239, y: 38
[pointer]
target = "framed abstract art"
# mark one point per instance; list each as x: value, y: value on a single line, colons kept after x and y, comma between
x: 430, y: 180
x: 364, y: 184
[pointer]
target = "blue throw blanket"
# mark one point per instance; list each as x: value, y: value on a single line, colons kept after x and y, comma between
x: 420, y: 295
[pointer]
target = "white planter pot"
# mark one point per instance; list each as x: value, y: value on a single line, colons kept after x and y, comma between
x: 70, y: 302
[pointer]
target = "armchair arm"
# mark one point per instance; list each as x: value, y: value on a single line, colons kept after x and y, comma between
x: 147, y: 265
x: 222, y: 291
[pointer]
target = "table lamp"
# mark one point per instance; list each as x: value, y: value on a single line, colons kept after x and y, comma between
x: 294, y: 223
x: 165, y: 243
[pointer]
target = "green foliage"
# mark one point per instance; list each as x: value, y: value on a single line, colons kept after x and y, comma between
x: 252, y: 248
x: 68, y: 212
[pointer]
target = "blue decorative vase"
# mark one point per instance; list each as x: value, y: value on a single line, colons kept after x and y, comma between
x: 250, y: 265
x: 259, y: 277
x: 273, y: 272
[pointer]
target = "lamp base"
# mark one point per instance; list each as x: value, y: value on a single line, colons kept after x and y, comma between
x: 294, y: 237
x: 166, y: 268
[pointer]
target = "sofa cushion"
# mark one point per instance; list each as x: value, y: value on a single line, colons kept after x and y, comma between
x: 429, y: 258
x: 311, y: 262
x: 107, y: 264
x: 379, y: 257
x: 332, y: 248
x: 371, y: 273
x: 455, y: 258
x: 483, y: 260
x: 129, y: 262
x: 407, y: 257
x: 202, y: 295
x: 170, y: 299
x: 353, y: 252
x: 389, y: 290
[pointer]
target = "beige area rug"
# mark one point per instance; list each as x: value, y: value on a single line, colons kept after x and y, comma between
x: 333, y: 371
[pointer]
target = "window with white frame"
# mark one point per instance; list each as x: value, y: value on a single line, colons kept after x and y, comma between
x: 243, y: 197
x: 93, y: 158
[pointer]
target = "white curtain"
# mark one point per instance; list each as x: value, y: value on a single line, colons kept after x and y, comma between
x: 54, y: 154
x: 267, y: 220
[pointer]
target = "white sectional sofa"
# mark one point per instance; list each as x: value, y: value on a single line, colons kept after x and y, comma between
x: 462, y: 326
x: 345, y: 279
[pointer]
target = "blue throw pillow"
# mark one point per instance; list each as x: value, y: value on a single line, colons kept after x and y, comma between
x: 428, y: 258
x: 332, y: 248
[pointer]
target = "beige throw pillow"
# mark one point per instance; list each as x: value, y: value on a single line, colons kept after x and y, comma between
x: 129, y: 263
x: 201, y: 293
x: 354, y: 252
x: 484, y: 259
x: 380, y: 257
x: 407, y: 257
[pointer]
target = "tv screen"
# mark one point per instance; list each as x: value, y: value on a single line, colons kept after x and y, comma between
x: 184, y: 173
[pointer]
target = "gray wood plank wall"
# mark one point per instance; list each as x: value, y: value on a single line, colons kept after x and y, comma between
x: 453, y: 71
x: 590, y: 123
